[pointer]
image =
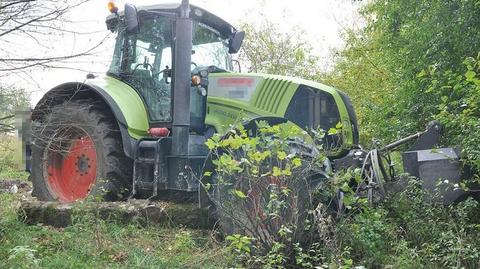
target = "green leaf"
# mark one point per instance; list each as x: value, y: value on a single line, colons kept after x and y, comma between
x: 211, y: 144
x: 208, y: 186
x: 276, y: 171
x: 345, y: 187
x: 332, y: 131
x: 239, y: 194
x: 297, y: 162
x: 429, y: 89
x: 421, y: 73
x: 286, y: 191
x: 470, y: 74
x: 287, y: 171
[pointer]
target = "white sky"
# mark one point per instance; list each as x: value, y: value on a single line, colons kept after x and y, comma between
x: 322, y: 21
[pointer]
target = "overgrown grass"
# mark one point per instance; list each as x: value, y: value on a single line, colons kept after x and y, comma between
x: 94, y: 243
x: 404, y: 231
x: 90, y: 243
x: 9, y: 165
x: 10, y: 173
x: 408, y: 231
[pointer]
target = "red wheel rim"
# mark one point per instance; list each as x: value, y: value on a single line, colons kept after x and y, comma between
x: 72, y: 171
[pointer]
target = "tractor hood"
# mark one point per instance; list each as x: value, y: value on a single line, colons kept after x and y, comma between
x: 232, y: 96
x: 268, y: 93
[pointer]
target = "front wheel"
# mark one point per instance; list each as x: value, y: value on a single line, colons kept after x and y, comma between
x: 77, y: 152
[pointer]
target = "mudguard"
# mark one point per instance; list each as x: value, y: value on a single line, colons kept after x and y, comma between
x: 123, y: 101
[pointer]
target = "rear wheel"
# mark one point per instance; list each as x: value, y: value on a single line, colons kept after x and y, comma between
x: 78, y: 152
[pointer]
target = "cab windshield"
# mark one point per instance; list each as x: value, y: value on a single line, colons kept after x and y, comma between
x: 144, y: 60
x: 208, y: 48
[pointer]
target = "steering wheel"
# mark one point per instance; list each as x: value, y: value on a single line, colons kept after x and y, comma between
x: 161, y: 71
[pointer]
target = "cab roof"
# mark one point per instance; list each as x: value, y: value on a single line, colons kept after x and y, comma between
x: 196, y: 13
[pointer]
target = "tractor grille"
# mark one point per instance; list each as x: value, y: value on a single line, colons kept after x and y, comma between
x: 272, y: 92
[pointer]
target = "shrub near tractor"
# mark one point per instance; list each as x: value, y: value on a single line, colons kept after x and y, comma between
x: 140, y: 130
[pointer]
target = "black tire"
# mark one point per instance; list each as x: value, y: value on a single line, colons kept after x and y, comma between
x: 59, y: 127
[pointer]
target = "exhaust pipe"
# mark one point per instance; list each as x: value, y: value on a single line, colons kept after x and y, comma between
x: 181, y: 83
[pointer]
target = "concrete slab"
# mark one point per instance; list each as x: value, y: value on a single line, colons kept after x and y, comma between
x: 142, y: 212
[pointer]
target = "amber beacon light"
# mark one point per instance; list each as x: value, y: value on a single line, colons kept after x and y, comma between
x: 112, y: 7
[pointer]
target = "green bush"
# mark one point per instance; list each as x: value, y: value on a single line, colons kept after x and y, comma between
x: 458, y: 107
x: 408, y: 231
x: 405, y: 230
x: 264, y: 190
x: 7, y: 151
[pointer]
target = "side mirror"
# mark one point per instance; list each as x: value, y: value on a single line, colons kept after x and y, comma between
x: 235, y: 42
x: 131, y: 19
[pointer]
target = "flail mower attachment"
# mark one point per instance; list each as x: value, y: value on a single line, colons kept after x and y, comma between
x: 423, y: 160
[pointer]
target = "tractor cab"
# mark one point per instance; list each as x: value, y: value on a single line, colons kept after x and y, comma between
x: 144, y: 57
x: 165, y: 53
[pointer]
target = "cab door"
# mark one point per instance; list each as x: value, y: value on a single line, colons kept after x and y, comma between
x: 146, y: 65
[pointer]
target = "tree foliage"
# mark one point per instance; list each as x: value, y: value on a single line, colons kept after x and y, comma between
x: 31, y: 24
x: 366, y: 79
x: 267, y: 49
x: 458, y: 97
x: 381, y: 64
x: 11, y: 100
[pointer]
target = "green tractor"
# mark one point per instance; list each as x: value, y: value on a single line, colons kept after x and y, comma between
x: 140, y: 130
